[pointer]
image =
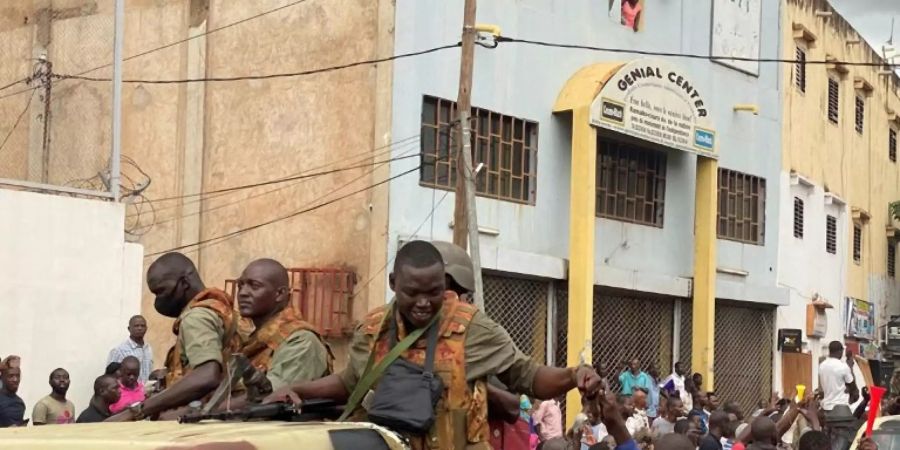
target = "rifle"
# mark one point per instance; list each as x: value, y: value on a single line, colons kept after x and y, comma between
x: 310, y: 411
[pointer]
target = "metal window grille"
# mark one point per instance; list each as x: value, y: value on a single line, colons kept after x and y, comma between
x: 800, y: 70
x: 631, y: 183
x: 625, y: 326
x: 742, y: 206
x: 742, y: 361
x: 831, y: 235
x: 519, y: 305
x: 891, y: 258
x: 857, y: 244
x: 892, y: 144
x: 798, y: 218
x: 860, y: 114
x: 833, y: 100
x: 506, y: 145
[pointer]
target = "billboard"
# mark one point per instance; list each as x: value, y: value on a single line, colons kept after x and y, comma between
x: 655, y: 101
x: 735, y: 32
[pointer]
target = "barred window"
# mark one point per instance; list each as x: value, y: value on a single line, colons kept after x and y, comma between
x: 892, y: 144
x: 891, y: 258
x: 831, y: 235
x: 798, y: 218
x: 742, y: 207
x: 860, y: 114
x: 506, y: 145
x: 857, y: 243
x: 631, y: 183
x: 800, y: 70
x: 833, y: 100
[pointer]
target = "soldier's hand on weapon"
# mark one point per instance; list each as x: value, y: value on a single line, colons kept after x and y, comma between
x: 283, y: 395
x: 125, y: 416
x: 587, y: 381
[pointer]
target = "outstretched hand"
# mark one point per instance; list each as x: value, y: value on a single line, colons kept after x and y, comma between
x: 587, y: 381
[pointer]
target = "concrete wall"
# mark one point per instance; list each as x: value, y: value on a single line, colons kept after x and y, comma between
x: 69, y: 289
x: 198, y: 137
x: 524, y: 81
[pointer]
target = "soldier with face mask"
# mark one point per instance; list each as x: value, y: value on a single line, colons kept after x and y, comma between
x: 205, y: 329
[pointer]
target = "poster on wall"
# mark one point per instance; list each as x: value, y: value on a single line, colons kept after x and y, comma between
x: 859, y: 319
x: 735, y: 33
x: 655, y: 101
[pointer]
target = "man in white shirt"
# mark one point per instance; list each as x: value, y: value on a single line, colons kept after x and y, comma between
x: 836, y: 379
x: 675, y: 383
x: 135, y: 346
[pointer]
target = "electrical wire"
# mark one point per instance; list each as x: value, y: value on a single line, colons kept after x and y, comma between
x: 512, y: 40
x: 430, y: 216
x: 232, y: 234
x: 18, y: 121
x: 7, y: 86
x: 367, y: 154
x: 271, y: 75
x: 224, y: 205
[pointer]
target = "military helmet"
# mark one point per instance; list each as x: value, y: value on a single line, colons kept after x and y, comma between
x: 457, y: 264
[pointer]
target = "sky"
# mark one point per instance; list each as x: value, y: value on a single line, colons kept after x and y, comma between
x: 872, y: 19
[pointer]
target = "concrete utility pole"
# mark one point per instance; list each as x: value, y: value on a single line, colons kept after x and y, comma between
x: 465, y: 216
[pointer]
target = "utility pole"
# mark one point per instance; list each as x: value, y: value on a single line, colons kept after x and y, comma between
x: 43, y: 72
x: 465, y: 217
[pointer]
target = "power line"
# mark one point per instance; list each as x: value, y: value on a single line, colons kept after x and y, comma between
x: 224, y: 205
x: 434, y: 208
x: 171, y: 44
x: 512, y: 40
x: 267, y: 76
x: 284, y: 180
x: 282, y: 218
x: 378, y: 151
x: 18, y: 120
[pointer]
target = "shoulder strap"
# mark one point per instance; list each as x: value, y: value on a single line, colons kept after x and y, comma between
x: 374, y: 373
x: 432, y: 347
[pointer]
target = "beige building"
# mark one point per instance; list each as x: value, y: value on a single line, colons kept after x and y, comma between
x: 199, y: 137
x: 838, y: 240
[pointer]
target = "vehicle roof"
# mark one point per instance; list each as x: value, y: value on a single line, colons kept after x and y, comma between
x: 172, y: 435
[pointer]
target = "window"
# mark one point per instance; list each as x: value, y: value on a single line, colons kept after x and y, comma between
x: 860, y: 114
x: 800, y: 70
x: 798, y: 218
x: 833, y: 100
x: 506, y: 146
x: 891, y: 258
x: 857, y: 243
x: 892, y: 144
x: 742, y: 207
x: 831, y: 235
x: 631, y: 183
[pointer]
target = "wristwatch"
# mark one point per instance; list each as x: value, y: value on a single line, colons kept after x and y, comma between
x: 137, y: 410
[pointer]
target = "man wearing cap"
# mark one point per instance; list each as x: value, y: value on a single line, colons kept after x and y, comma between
x: 458, y: 270
x: 12, y: 408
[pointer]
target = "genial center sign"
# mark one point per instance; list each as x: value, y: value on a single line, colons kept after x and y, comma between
x: 652, y: 100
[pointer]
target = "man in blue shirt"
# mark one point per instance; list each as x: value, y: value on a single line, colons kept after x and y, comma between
x: 634, y: 377
x: 653, y: 395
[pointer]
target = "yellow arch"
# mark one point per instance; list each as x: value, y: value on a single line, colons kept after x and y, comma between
x: 583, y: 86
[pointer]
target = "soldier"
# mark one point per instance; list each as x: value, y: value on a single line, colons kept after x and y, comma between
x: 205, y: 329
x: 283, y: 346
x: 470, y: 348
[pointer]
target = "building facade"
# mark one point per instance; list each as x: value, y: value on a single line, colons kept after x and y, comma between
x: 839, y: 176
x: 642, y: 192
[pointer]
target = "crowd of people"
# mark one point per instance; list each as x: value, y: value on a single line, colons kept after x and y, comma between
x: 479, y: 392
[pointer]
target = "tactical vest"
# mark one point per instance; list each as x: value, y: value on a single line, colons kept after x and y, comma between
x: 261, y: 345
x: 461, y: 414
x: 223, y: 305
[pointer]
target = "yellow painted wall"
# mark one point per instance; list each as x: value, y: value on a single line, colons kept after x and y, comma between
x: 250, y: 130
x: 853, y: 166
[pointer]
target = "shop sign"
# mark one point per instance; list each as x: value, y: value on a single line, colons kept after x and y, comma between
x: 655, y: 101
x: 859, y: 319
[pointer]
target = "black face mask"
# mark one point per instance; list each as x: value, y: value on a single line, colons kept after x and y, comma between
x: 169, y: 304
